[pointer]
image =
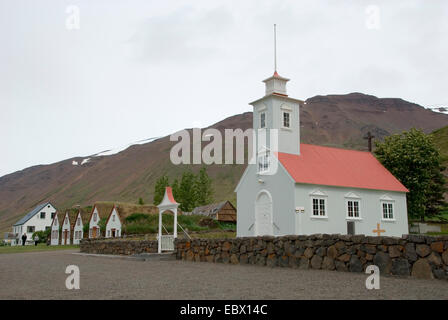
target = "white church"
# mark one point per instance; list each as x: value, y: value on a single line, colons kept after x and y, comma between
x: 300, y: 189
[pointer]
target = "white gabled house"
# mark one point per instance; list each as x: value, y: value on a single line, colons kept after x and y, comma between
x: 38, y: 219
x: 78, y: 229
x: 113, y: 224
x: 299, y: 188
x: 94, y: 227
x: 55, y: 230
x: 65, y: 229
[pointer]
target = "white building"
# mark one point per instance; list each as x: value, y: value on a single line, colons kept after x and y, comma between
x: 78, y: 229
x: 38, y: 219
x: 304, y: 189
x: 94, y: 220
x: 55, y: 230
x: 66, y: 229
x: 113, y: 224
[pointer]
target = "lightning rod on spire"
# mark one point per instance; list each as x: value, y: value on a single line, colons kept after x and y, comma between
x: 275, y: 47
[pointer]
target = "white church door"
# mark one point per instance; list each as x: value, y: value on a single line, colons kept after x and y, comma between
x: 263, y: 215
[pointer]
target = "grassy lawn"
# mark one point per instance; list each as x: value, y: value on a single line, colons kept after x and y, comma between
x: 39, y: 247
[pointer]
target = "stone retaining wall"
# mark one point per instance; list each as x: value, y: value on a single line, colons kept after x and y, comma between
x: 413, y: 255
x: 120, y: 246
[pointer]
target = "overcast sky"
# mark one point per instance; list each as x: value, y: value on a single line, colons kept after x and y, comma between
x: 137, y: 69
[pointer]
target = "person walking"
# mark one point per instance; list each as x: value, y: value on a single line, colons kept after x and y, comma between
x: 36, y: 240
x: 24, y: 239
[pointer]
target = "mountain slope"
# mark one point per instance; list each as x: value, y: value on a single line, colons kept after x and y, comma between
x: 336, y: 120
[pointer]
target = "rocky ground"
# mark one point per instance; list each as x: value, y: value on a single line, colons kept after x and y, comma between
x: 41, y: 275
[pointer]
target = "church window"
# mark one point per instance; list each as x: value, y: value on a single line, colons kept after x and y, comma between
x: 94, y: 217
x: 113, y: 218
x: 319, y: 207
x: 262, y: 120
x: 353, y: 209
x: 79, y: 221
x: 388, y: 210
x: 263, y: 162
x: 286, y: 119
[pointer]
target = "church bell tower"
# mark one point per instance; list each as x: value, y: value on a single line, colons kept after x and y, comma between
x: 277, y: 115
x: 277, y: 111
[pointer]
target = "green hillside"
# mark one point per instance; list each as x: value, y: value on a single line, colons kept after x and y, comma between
x: 440, y: 137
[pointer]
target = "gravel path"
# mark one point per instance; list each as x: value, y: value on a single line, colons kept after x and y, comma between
x: 41, y: 275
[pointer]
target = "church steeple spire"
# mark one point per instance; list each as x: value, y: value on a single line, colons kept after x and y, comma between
x: 276, y: 84
x: 277, y: 114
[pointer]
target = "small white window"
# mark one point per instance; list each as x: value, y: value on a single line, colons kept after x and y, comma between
x: 94, y: 217
x: 388, y: 210
x: 263, y: 162
x: 113, y: 218
x: 353, y: 209
x: 286, y: 119
x: 262, y: 120
x: 319, y: 207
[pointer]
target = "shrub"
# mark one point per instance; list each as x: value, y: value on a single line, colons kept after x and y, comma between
x: 136, y: 217
x: 207, y: 222
x: 226, y: 225
x: 42, y: 235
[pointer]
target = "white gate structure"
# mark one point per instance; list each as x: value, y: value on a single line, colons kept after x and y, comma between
x: 166, y: 242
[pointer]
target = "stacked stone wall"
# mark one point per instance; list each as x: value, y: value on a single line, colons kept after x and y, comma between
x: 412, y: 255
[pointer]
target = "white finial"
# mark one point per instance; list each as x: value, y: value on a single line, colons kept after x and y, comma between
x: 275, y: 47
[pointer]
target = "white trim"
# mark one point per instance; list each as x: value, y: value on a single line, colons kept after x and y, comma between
x: 352, y: 195
x: 284, y: 106
x: 386, y: 197
x: 282, y: 119
x: 353, y: 199
x: 392, y: 202
x: 317, y: 193
x: 262, y: 108
x: 318, y: 197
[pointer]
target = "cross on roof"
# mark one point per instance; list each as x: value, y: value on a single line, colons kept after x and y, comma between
x: 369, y: 137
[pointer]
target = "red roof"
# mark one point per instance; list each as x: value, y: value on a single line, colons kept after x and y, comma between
x: 339, y: 167
x: 169, y: 193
